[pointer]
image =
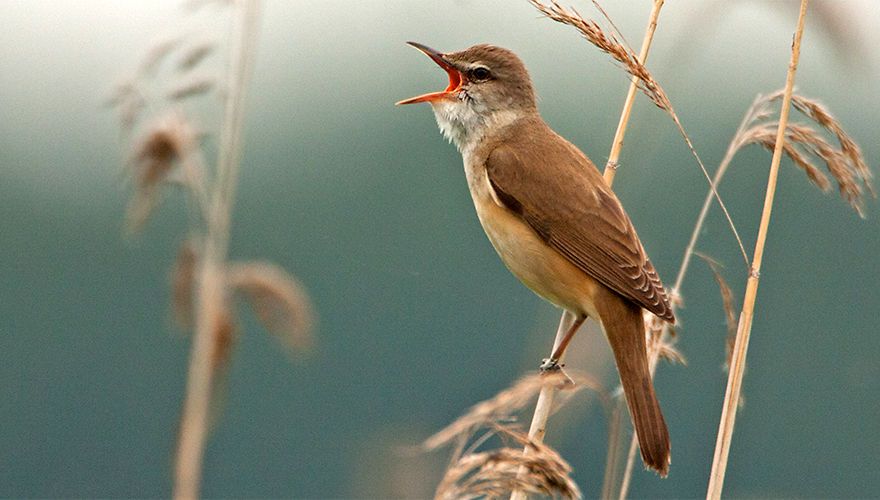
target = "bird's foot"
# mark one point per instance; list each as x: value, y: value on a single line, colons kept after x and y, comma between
x: 550, y: 365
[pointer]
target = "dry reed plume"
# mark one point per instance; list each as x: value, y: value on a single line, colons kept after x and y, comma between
x: 610, y: 44
x: 168, y: 151
x: 497, y: 472
x: 806, y: 146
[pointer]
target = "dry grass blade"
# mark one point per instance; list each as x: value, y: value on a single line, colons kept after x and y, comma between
x: 277, y: 299
x: 509, y: 401
x: 195, y: 55
x: 727, y: 301
x: 191, y: 87
x: 183, y: 276
x: 129, y: 102
x: 156, y: 55
x: 610, y: 44
x: 496, y: 473
x: 169, y: 141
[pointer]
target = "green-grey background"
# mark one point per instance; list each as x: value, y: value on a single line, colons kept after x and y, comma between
x: 368, y: 206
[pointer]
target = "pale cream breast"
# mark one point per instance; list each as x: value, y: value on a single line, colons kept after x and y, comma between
x: 538, y: 266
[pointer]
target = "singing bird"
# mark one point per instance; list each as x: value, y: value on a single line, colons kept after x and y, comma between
x: 552, y: 219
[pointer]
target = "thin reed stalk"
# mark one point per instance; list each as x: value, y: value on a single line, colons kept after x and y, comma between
x: 211, y: 292
x: 543, y: 407
x: 664, y: 338
x: 617, y: 144
x: 805, y: 148
x: 738, y: 360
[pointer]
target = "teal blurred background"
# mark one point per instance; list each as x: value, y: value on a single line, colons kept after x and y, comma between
x: 368, y: 206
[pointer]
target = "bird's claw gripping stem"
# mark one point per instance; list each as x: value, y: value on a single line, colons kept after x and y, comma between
x: 550, y: 365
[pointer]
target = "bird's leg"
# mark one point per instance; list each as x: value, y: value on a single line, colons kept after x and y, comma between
x: 551, y: 364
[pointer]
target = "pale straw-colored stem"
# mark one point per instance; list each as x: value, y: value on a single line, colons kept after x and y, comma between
x: 740, y: 349
x: 211, y: 286
x: 543, y: 407
x: 653, y: 351
x: 617, y: 144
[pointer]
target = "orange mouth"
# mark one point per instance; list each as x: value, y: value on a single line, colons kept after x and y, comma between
x: 456, y: 79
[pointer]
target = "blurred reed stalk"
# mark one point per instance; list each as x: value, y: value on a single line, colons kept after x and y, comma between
x: 738, y: 360
x: 211, y: 301
x: 538, y: 427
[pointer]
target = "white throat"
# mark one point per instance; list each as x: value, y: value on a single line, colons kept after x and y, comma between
x: 465, y: 123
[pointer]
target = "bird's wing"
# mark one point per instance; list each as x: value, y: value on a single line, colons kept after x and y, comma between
x: 571, y: 208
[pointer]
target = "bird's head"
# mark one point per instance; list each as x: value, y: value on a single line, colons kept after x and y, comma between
x: 488, y: 87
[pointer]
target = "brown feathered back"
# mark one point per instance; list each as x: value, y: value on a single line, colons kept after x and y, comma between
x: 590, y: 228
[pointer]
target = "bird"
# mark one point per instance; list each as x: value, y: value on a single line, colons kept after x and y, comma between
x: 554, y: 222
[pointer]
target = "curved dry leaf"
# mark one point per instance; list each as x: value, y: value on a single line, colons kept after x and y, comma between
x: 278, y: 300
x: 155, y: 55
x: 727, y: 300
x: 129, y: 101
x: 194, y: 86
x: 194, y: 55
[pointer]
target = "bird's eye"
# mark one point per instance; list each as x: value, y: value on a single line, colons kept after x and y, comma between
x: 480, y: 73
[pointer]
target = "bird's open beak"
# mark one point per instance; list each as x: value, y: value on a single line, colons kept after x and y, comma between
x: 456, y: 79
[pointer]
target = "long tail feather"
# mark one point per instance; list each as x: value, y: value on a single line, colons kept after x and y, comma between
x: 625, y: 330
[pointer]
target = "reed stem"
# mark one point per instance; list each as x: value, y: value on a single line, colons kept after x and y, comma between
x: 543, y: 407
x: 738, y: 360
x: 653, y: 352
x: 617, y: 144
